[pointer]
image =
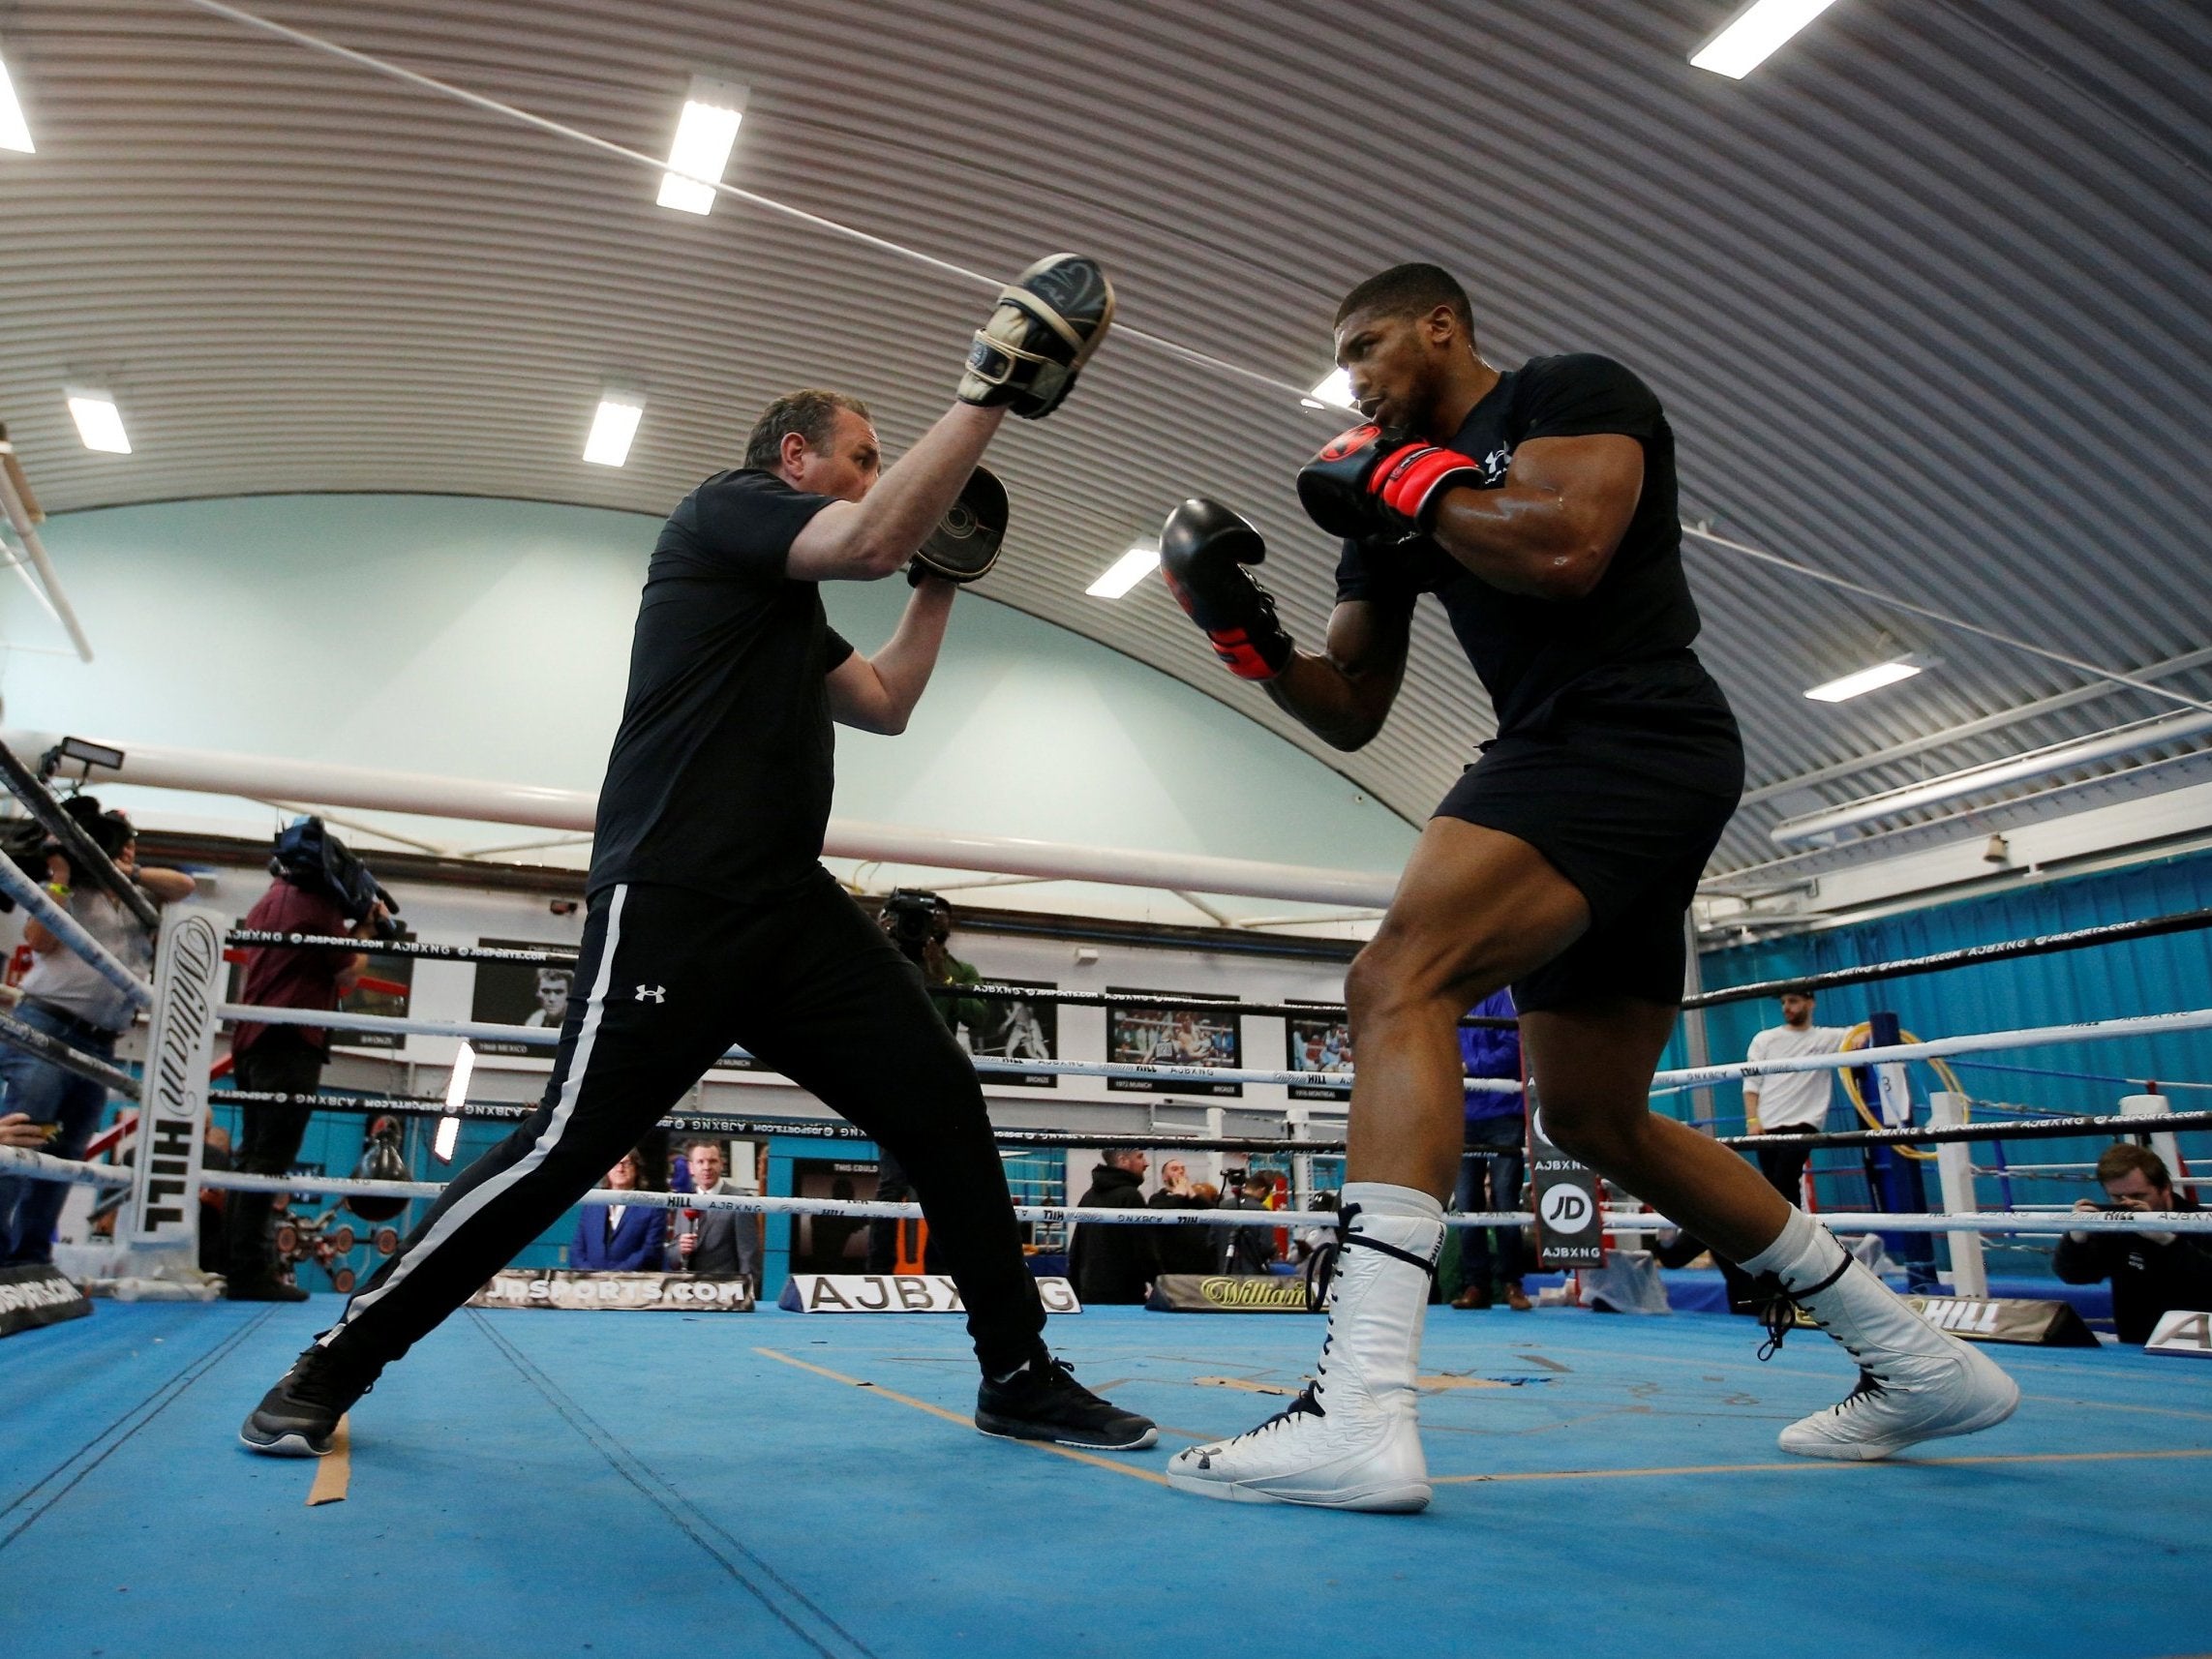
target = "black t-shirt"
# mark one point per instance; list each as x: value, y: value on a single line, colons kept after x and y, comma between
x: 722, y: 773
x: 1525, y: 650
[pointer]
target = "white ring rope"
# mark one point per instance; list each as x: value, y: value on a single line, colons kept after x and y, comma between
x: 41, y: 1166
x: 545, y: 1037
x: 1901, y: 1053
x: 46, y: 1167
x: 2090, y: 1030
x: 70, y: 932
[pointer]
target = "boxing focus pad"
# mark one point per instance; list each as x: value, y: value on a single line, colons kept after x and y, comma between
x: 1204, y: 551
x: 1368, y: 482
x: 1049, y: 321
x: 966, y: 541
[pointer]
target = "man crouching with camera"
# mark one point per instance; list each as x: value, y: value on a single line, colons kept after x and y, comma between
x: 2151, y: 1273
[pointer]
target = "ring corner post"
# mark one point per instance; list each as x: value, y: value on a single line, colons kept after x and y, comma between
x: 162, y: 1236
x: 1954, y: 1174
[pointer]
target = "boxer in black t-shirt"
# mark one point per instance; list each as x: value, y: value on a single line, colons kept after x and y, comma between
x: 712, y: 921
x: 1538, y: 506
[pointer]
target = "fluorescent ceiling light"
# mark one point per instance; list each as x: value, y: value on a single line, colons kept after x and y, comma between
x: 15, y: 131
x: 456, y: 1095
x: 613, y: 428
x: 1864, y: 680
x: 703, y: 137
x: 1125, y: 573
x: 1754, y: 33
x: 1333, y: 393
x: 98, y: 422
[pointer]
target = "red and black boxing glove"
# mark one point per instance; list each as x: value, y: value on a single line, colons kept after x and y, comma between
x: 1204, y: 551
x: 1367, y: 482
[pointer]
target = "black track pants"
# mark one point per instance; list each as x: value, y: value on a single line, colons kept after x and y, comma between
x: 669, y: 978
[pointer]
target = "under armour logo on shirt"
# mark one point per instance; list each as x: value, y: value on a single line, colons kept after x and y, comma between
x: 653, y: 993
x: 1496, y: 465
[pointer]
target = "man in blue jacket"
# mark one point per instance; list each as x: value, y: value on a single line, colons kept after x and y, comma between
x: 618, y: 1238
x: 1496, y: 1153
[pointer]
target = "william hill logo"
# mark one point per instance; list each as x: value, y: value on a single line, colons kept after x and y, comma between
x: 1269, y: 1292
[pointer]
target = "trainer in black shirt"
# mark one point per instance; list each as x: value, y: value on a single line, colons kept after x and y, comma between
x: 710, y: 922
x: 1540, y: 507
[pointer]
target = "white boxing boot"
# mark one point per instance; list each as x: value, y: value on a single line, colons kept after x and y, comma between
x: 1352, y: 1439
x: 1914, y: 1383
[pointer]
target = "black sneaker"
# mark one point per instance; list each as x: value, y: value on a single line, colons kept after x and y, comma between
x: 297, y: 1417
x: 1043, y: 1401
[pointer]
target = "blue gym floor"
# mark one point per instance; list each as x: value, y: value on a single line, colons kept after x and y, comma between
x: 535, y: 1483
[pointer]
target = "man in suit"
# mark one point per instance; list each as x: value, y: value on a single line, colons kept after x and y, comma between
x: 718, y: 1242
x: 618, y: 1238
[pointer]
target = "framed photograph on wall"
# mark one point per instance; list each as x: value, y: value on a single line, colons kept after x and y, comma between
x: 1015, y: 1028
x: 385, y: 986
x: 520, y: 994
x: 1319, y: 1043
x: 1168, y: 1028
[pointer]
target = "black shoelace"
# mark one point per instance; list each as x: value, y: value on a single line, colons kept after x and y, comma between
x: 1307, y: 1405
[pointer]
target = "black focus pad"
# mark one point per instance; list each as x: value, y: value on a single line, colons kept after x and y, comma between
x: 966, y: 541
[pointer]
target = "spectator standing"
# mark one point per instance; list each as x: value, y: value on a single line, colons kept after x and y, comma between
x: 1249, y: 1250
x: 2152, y: 1274
x: 618, y: 1238
x: 719, y: 1242
x: 1112, y: 1262
x: 1789, y: 1101
x: 66, y: 998
x: 1181, y: 1246
x: 1493, y: 1158
x: 285, y: 1060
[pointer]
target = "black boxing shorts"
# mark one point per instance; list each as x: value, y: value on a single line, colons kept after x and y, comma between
x: 1624, y: 786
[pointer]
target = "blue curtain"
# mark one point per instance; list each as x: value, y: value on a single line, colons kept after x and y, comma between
x: 2149, y: 976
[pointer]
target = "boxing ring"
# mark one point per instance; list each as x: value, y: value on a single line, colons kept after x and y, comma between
x: 779, y: 1484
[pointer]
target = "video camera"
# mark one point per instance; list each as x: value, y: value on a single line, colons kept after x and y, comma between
x: 913, y: 916
x: 309, y: 856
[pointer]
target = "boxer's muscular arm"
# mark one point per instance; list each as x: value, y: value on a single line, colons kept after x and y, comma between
x: 1343, y: 697
x: 1551, y: 531
x: 865, y: 540
x: 878, y: 693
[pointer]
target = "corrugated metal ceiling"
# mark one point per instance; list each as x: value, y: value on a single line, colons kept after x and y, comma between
x: 1925, y: 296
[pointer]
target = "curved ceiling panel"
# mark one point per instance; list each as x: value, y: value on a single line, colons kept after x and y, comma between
x: 1924, y: 295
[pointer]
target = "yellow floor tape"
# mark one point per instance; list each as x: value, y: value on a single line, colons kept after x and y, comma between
x: 1068, y: 1452
x: 334, y: 1471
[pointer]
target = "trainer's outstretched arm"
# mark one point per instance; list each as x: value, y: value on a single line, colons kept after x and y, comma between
x: 864, y: 540
x: 1025, y: 359
x: 878, y: 693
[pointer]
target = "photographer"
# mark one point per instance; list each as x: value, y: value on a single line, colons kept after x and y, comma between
x: 320, y: 889
x: 2151, y: 1273
x: 921, y: 924
x: 67, y: 997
